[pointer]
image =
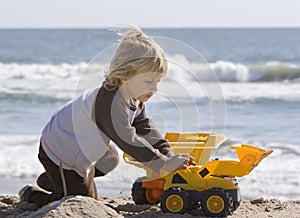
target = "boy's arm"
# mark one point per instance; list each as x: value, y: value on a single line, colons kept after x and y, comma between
x: 112, y: 118
x: 145, y: 128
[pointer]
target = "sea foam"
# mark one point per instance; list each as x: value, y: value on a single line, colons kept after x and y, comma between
x: 46, y: 82
x: 276, y: 176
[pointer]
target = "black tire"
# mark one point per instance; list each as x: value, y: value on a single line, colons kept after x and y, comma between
x: 139, y: 194
x: 175, y: 200
x: 216, y: 203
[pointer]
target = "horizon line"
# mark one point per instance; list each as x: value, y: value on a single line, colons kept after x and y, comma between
x: 179, y: 27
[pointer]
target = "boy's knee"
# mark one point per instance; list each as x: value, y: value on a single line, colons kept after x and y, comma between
x: 107, y: 162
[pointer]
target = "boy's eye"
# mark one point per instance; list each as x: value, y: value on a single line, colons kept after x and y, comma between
x: 152, y: 81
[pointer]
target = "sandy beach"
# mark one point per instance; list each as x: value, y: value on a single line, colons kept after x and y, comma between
x: 78, y: 206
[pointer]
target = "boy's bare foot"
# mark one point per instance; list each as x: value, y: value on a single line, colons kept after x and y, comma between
x: 22, y: 192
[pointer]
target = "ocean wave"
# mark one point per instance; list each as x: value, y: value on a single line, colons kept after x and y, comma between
x: 265, y: 72
x: 17, y: 71
x: 45, y: 82
x: 225, y: 71
x: 264, y: 83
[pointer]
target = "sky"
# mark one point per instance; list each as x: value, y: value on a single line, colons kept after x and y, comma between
x: 151, y: 13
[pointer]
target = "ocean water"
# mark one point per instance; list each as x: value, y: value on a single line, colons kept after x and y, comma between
x: 253, y: 96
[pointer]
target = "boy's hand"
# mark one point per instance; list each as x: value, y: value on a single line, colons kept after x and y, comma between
x: 177, y: 162
x: 191, y: 161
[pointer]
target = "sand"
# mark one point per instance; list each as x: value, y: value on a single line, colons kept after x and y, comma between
x: 78, y: 206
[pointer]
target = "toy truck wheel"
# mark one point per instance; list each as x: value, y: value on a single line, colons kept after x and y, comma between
x: 216, y: 203
x: 141, y: 195
x: 175, y: 200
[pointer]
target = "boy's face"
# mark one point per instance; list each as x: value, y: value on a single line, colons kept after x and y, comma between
x: 143, y: 86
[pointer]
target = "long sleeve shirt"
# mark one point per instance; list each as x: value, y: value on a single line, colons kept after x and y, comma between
x: 78, y: 134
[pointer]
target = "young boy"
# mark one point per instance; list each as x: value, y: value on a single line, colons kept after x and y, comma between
x: 75, y: 144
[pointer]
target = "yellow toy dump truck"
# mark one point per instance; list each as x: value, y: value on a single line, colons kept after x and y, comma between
x: 211, y: 185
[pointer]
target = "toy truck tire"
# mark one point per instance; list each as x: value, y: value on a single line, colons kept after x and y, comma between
x: 175, y: 200
x: 216, y: 202
x: 139, y: 194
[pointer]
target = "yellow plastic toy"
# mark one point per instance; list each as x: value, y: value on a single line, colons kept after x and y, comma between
x: 210, y: 185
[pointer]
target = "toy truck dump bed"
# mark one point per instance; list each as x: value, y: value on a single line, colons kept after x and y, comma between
x: 198, y: 145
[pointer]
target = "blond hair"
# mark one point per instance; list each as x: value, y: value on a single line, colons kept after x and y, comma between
x: 136, y: 53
